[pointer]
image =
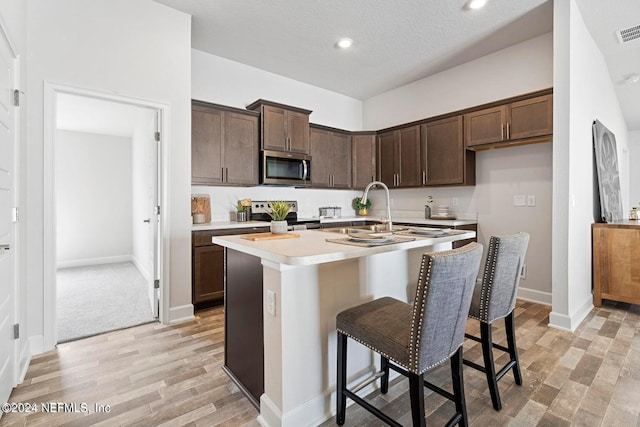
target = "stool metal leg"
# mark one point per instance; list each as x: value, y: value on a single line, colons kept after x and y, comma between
x: 384, y: 380
x: 513, y: 350
x: 457, y: 381
x: 490, y: 369
x: 416, y: 391
x: 341, y: 383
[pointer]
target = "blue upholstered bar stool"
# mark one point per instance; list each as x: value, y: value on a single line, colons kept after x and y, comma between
x: 495, y: 298
x: 411, y: 339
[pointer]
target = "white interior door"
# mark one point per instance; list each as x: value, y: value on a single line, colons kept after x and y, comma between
x: 8, y: 147
x: 153, y: 203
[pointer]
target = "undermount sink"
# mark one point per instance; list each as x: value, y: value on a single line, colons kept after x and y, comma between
x: 375, y: 228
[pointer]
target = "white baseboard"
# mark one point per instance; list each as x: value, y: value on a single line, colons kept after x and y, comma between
x: 25, y: 360
x: 94, y: 261
x: 180, y: 314
x: 145, y: 273
x: 36, y: 344
x: 534, y: 295
x: 570, y: 323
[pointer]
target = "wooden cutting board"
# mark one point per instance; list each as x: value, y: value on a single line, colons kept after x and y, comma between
x: 270, y: 236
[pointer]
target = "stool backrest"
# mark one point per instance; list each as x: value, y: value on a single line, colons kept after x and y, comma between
x: 501, y: 276
x: 443, y: 296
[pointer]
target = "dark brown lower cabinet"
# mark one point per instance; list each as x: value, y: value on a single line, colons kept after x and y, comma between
x: 243, y: 324
x: 208, y: 274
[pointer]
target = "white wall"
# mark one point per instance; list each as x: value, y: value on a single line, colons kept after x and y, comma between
x: 519, y: 69
x: 222, y: 81
x: 634, y: 172
x: 500, y: 174
x: 136, y: 48
x: 93, y: 198
x: 583, y: 93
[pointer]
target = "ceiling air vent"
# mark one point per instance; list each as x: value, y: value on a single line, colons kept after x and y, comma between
x: 628, y: 34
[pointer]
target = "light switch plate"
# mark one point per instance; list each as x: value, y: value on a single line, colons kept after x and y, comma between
x: 519, y: 200
x: 531, y: 200
x: 271, y: 302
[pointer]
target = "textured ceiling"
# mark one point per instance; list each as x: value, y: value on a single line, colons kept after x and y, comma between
x: 395, y: 41
x: 603, y: 20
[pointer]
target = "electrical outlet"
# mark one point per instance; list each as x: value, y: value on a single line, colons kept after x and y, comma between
x: 519, y: 200
x: 271, y: 302
x: 523, y: 272
x: 454, y: 201
x: 531, y: 200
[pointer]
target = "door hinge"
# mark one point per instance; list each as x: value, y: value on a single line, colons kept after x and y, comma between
x: 157, y: 210
x: 157, y: 136
x: 15, y: 214
x: 16, y: 331
x: 16, y: 97
x: 156, y: 284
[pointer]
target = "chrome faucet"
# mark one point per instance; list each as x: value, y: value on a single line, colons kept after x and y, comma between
x: 365, y: 193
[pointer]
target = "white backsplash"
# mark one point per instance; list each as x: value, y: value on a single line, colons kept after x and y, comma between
x: 405, y: 203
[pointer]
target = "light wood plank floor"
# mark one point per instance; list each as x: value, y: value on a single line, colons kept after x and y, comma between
x: 154, y: 375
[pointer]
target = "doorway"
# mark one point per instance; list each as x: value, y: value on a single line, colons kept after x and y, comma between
x: 105, y: 234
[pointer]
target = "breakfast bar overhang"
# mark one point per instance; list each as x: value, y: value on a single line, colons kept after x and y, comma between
x: 306, y: 282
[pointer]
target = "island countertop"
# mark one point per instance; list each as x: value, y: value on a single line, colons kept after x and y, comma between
x: 312, y: 247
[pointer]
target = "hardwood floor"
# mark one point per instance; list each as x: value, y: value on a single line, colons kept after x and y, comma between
x: 154, y: 375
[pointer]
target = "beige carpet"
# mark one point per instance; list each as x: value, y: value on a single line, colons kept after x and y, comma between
x: 96, y: 299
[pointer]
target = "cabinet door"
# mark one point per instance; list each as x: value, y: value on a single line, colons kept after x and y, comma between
x: 340, y: 160
x: 274, y: 134
x: 485, y: 126
x: 363, y: 160
x: 298, y: 132
x: 240, y: 149
x: 443, y: 152
x: 386, y: 159
x: 206, y: 145
x: 320, y: 157
x: 531, y: 117
x: 208, y: 273
x: 408, y: 157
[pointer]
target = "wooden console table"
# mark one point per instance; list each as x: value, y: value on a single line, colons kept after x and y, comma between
x: 616, y: 262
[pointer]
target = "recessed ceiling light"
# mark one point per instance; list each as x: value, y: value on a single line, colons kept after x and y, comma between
x: 344, y: 43
x: 476, y: 4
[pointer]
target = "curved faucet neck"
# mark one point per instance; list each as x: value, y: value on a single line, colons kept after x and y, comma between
x: 365, y: 194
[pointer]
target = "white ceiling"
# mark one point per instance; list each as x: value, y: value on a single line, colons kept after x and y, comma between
x: 395, y: 41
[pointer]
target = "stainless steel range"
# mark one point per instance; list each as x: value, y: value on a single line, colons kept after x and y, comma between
x: 260, y: 209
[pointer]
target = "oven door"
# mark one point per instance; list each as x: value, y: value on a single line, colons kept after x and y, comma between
x: 278, y: 168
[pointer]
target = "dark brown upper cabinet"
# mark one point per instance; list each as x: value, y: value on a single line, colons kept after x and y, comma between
x: 399, y: 157
x: 444, y: 160
x: 363, y: 159
x: 283, y: 128
x: 522, y: 122
x: 330, y: 158
x: 224, y: 145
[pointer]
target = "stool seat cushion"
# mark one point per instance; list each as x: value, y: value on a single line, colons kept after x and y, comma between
x: 380, y: 325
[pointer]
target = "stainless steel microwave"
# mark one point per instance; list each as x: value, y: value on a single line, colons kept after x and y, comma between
x: 280, y: 168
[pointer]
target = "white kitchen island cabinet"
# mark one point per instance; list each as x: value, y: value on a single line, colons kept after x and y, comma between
x: 307, y: 281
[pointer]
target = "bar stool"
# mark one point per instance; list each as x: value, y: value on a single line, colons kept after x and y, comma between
x: 411, y: 339
x: 494, y: 297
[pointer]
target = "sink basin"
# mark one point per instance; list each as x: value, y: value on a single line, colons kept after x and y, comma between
x: 376, y: 228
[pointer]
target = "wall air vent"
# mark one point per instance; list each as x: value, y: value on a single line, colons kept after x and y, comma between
x: 628, y: 34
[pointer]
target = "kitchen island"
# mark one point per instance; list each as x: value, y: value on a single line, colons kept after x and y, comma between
x: 306, y: 281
